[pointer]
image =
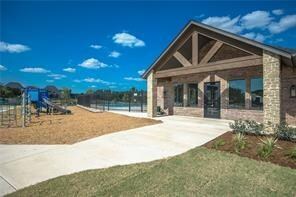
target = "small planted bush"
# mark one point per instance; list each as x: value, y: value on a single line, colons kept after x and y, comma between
x: 266, y: 147
x: 284, y: 132
x: 238, y: 126
x: 247, y: 127
x: 292, y: 153
x: 239, y: 141
x: 254, y: 127
x: 218, y: 143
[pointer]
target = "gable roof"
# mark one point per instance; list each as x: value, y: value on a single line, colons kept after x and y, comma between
x: 284, y: 52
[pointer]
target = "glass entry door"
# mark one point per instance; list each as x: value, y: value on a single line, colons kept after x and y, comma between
x: 212, y: 100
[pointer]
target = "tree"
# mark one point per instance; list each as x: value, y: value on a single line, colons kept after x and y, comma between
x: 7, y: 92
x: 89, y: 91
x: 65, y: 95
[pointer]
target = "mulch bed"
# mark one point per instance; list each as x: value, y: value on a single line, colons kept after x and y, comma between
x: 68, y: 129
x: 278, y: 156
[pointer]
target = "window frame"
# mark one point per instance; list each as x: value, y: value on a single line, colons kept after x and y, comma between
x: 229, y: 105
x: 251, y: 102
x: 180, y: 104
x: 188, y: 94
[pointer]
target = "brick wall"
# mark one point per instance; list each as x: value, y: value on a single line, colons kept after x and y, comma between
x: 201, y: 78
x: 288, y: 104
x: 235, y: 114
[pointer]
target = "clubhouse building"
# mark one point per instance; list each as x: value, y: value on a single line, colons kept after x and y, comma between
x: 211, y: 73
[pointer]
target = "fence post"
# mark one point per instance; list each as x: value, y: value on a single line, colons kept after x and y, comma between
x: 129, y: 102
x: 23, y: 110
x: 142, y: 99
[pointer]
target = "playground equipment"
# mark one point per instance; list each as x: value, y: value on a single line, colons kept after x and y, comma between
x: 39, y: 97
x: 16, y: 112
x: 55, y: 106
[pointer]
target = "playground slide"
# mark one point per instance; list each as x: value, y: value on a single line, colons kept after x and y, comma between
x: 56, y: 107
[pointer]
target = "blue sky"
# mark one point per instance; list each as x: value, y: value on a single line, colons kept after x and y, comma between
x: 84, y: 45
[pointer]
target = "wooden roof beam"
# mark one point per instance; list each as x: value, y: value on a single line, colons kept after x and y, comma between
x: 195, y: 48
x: 182, y: 59
x: 211, y: 52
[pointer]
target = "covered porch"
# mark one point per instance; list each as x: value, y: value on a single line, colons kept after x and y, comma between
x: 205, y: 73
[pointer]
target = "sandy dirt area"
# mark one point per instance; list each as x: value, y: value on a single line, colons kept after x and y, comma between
x: 68, y: 129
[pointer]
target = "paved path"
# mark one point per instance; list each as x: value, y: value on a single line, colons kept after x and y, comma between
x: 24, y: 165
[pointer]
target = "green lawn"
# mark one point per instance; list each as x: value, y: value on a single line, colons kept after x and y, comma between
x: 200, y: 172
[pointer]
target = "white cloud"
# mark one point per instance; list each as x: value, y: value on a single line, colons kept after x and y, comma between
x: 92, y: 63
x: 114, y: 54
x: 133, y: 79
x: 284, y: 24
x: 34, y: 70
x: 70, y: 70
x: 50, y: 81
x: 93, y: 86
x: 126, y: 39
x: 262, y: 20
x: 57, y: 76
x: 112, y: 87
x: 256, y: 19
x: 95, y: 46
x: 114, y: 66
x: 200, y: 16
x: 255, y: 36
x: 77, y: 80
x: 13, y: 48
x: 141, y: 72
x: 225, y: 22
x: 93, y: 80
x: 2, y: 68
x: 278, y: 12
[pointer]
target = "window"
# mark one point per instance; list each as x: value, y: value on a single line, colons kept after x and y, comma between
x: 293, y: 91
x: 192, y: 94
x: 237, y: 89
x: 178, y: 95
x: 257, y: 93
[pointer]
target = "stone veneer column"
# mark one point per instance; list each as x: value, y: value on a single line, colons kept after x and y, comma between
x: 151, y: 95
x: 272, y: 87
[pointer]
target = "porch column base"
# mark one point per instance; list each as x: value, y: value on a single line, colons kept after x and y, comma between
x: 151, y: 95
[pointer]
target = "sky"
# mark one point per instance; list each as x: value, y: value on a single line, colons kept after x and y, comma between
x: 108, y: 45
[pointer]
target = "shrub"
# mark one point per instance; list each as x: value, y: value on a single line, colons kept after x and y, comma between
x: 284, y: 132
x: 254, y: 127
x: 292, y: 153
x: 247, y: 127
x: 239, y: 141
x: 218, y: 143
x: 238, y: 126
x: 266, y: 147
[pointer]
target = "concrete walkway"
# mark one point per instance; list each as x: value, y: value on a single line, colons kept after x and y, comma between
x: 24, y: 165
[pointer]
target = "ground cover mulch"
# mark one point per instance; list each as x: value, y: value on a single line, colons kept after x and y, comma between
x: 68, y: 129
x: 279, y: 155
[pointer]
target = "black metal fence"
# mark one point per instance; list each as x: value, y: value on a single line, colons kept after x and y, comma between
x: 107, y: 100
